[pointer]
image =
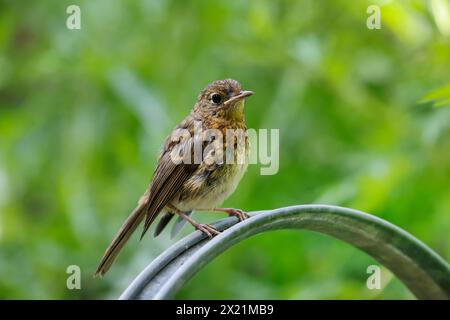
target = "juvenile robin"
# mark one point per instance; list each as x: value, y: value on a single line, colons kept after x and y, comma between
x: 202, y: 180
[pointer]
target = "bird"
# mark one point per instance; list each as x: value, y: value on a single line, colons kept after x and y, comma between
x: 185, y: 180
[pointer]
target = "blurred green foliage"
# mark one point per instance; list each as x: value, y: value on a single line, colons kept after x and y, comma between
x: 83, y: 113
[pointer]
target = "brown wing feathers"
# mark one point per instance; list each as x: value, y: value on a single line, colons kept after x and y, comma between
x: 167, y: 181
x: 179, y: 174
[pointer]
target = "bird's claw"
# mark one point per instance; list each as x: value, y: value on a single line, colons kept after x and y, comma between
x: 242, y: 215
x: 209, y: 230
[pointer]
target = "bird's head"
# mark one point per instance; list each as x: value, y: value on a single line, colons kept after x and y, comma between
x: 223, y: 98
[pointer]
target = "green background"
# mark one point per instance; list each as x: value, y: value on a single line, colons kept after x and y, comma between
x: 83, y: 114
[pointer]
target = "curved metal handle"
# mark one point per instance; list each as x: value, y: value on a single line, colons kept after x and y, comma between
x: 424, y: 272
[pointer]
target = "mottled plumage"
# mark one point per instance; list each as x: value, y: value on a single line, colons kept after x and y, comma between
x: 180, y: 188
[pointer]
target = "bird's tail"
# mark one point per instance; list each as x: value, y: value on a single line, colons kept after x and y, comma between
x: 122, y: 236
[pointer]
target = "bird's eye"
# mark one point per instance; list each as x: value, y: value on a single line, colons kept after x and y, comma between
x: 216, y: 98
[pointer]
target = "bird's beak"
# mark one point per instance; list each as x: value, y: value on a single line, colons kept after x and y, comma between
x: 241, y: 95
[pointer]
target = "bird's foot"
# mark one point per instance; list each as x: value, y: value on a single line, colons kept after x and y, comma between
x: 208, y: 229
x: 232, y: 212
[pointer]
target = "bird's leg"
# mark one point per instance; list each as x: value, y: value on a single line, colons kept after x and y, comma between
x: 242, y: 215
x: 206, y: 228
x: 232, y: 212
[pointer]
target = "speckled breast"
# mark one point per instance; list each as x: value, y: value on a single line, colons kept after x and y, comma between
x: 213, y: 183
